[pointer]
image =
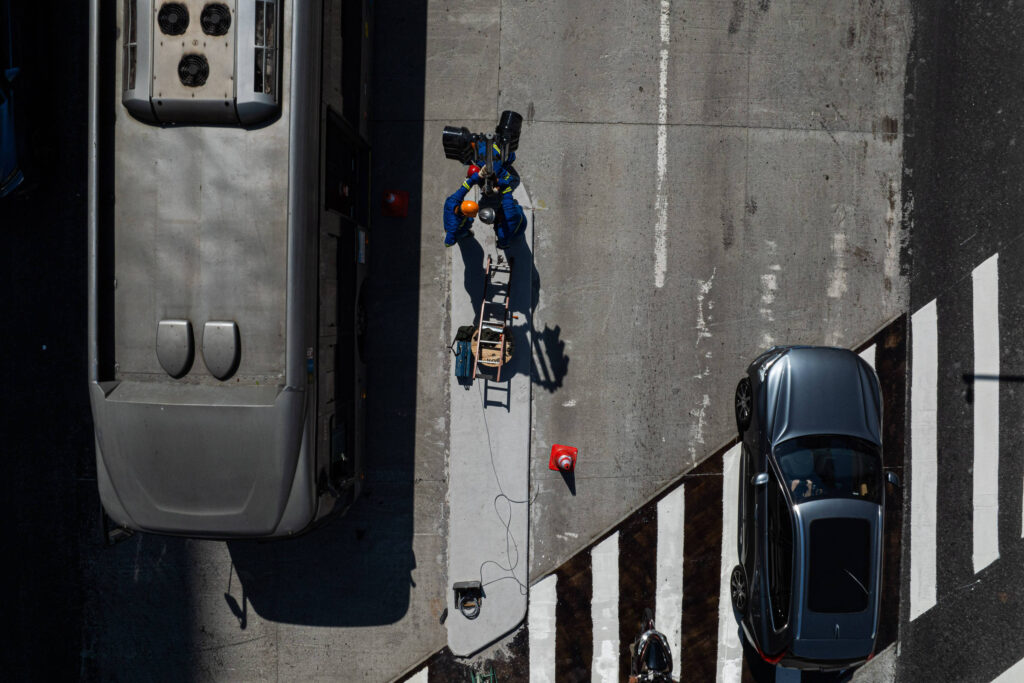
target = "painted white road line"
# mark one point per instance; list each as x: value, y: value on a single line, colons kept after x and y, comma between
x: 986, y: 413
x: 604, y: 609
x: 868, y: 355
x: 541, y: 624
x: 1014, y: 674
x: 730, y: 653
x: 668, y: 595
x: 923, y: 460
x: 661, y: 200
x: 419, y: 677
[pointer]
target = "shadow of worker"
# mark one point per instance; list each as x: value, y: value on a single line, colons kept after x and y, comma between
x: 473, y: 273
x: 547, y: 362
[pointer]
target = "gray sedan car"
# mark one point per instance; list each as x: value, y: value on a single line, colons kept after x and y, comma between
x: 811, y: 496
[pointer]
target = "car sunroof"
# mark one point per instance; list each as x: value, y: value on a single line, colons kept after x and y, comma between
x: 839, y: 573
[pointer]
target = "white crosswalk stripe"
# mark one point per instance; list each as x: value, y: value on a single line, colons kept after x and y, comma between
x: 541, y: 625
x: 420, y: 676
x: 985, y: 280
x: 868, y: 355
x: 924, y: 465
x: 1015, y: 674
x: 668, y: 599
x: 730, y: 652
x: 604, y: 609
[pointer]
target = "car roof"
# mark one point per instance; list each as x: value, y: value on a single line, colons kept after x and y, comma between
x: 838, y: 535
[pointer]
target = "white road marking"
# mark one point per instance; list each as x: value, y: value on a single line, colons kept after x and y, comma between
x: 541, y: 624
x: 837, y: 278
x: 604, y: 609
x: 697, y: 430
x: 769, y: 286
x: 868, y: 355
x: 668, y: 595
x: 703, y: 288
x: 730, y: 653
x: 986, y: 412
x: 661, y: 202
x: 1014, y: 674
x: 419, y: 677
x: 923, y: 461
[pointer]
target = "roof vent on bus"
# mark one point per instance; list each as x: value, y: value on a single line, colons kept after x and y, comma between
x: 222, y: 348
x: 175, y: 347
x: 173, y: 18
x: 193, y: 70
x: 215, y: 19
x: 221, y: 67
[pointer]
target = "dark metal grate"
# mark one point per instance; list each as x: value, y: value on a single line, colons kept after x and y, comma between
x: 193, y: 70
x: 264, y: 54
x: 215, y: 19
x: 173, y: 18
x: 131, y: 44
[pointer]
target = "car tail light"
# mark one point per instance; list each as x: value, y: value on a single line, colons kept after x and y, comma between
x: 772, y: 660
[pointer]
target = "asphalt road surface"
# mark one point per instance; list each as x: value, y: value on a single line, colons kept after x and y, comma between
x: 707, y: 180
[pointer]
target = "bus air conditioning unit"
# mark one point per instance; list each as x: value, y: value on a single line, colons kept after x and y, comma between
x: 202, y: 61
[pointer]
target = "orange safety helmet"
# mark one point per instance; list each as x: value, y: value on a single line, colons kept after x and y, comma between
x: 469, y: 208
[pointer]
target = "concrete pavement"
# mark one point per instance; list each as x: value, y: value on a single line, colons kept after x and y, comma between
x: 489, y: 448
x: 780, y: 191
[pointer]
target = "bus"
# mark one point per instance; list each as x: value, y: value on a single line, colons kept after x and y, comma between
x: 228, y: 221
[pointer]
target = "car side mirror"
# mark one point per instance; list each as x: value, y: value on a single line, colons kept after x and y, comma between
x: 892, y: 479
x: 760, y: 479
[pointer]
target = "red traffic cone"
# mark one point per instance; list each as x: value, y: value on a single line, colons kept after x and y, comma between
x: 563, y: 458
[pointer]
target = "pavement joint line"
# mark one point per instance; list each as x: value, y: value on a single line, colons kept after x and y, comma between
x: 655, y: 124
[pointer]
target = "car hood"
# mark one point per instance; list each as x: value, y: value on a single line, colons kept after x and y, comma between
x: 816, y: 390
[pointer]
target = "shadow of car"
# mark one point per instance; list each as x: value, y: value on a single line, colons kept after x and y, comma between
x: 811, y: 497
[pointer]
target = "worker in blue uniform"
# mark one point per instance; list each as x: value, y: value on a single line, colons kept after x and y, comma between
x: 458, y: 215
x: 507, y: 217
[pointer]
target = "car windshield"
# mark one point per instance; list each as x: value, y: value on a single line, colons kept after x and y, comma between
x: 816, y: 467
